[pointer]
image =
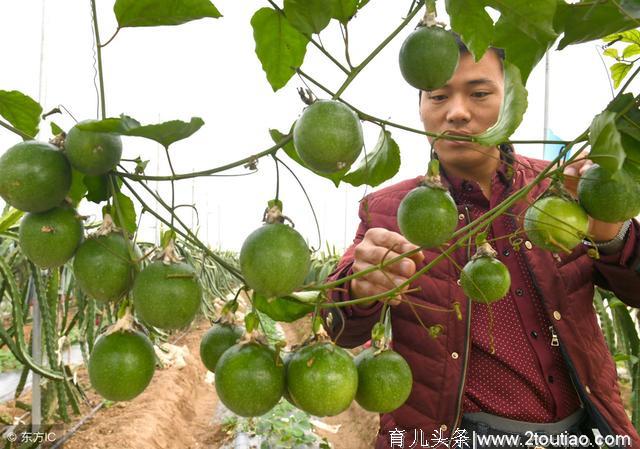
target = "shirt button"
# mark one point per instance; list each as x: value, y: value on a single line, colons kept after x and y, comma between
x: 587, y: 389
x: 557, y: 315
x: 454, y: 355
x: 443, y: 427
x: 459, y: 282
x: 461, y: 217
x: 550, y: 378
x: 467, y: 187
x: 534, y: 334
x: 528, y: 244
x: 519, y: 292
x: 506, y: 252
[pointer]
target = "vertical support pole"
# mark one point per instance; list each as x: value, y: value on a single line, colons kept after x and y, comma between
x: 546, y: 97
x: 36, y: 351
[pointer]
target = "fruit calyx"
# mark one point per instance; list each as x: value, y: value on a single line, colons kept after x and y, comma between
x: 485, y: 250
x: 58, y: 140
x: 432, y: 178
x: 273, y: 213
x: 124, y: 323
x: 168, y: 255
x: 107, y: 226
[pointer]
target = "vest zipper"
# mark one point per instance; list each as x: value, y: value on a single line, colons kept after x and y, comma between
x: 554, y: 337
x: 457, y: 420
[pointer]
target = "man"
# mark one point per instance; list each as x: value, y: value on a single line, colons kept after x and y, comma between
x: 549, y: 370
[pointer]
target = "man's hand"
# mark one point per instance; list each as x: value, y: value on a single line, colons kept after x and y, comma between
x: 379, y: 244
x: 599, y: 230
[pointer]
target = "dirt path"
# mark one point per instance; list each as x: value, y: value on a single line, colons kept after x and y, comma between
x: 177, y: 411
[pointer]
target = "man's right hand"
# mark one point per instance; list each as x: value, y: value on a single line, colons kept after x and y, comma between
x: 379, y: 244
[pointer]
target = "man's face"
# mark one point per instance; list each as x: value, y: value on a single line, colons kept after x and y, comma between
x: 468, y: 104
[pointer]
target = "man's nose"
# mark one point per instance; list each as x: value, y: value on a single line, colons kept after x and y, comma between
x: 458, y: 110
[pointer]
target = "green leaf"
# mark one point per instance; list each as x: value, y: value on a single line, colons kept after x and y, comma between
x: 473, y: 23
x: 117, y: 125
x: 379, y: 165
x: 606, y: 147
x: 589, y: 20
x: 619, y: 71
x: 168, y: 132
x: 524, y: 30
x: 97, y: 188
x: 149, y: 13
x: 78, y: 187
x: 605, y: 321
x: 251, y: 321
x: 611, y: 52
x: 55, y: 129
x: 127, y: 210
x: 279, y: 45
x: 289, y: 148
x: 514, y: 105
x: 629, y: 36
x: 630, y: 50
x: 22, y: 111
x: 308, y: 16
x: 10, y: 218
x: 167, y: 237
x: 362, y: 3
x: 164, y: 133
x: 344, y: 10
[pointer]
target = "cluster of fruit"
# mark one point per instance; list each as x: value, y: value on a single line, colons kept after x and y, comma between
x: 36, y: 177
x: 321, y: 378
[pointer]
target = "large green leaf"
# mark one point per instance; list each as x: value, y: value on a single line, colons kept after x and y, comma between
x: 280, y: 47
x: 514, y: 105
x: 164, y: 133
x: 631, y: 7
x: 344, y: 10
x: 380, y: 164
x: 277, y: 136
x: 589, y: 20
x: 127, y: 210
x: 168, y: 132
x: 78, y: 187
x: 619, y: 71
x: 149, y: 13
x: 10, y: 218
x: 629, y: 36
x: 472, y: 22
x: 524, y: 30
x: 605, y: 321
x: 606, y: 145
x: 22, y: 111
x: 97, y: 188
x: 308, y: 16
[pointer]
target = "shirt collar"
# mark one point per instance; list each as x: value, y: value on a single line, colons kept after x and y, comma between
x: 504, y: 173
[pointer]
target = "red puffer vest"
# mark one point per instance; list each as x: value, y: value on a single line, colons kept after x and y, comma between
x: 564, y: 282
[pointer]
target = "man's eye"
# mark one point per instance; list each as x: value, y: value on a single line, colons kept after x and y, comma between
x: 437, y: 97
x: 481, y: 94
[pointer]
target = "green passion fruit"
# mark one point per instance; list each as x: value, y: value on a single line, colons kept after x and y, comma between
x: 121, y: 365
x: 427, y: 216
x: 556, y: 224
x: 249, y: 380
x: 322, y: 379
x: 34, y: 176
x: 216, y: 341
x: 429, y: 57
x: 50, y: 238
x: 328, y: 136
x: 274, y: 260
x: 485, y: 279
x: 606, y: 198
x: 167, y: 296
x: 384, y: 380
x: 284, y: 308
x: 103, y: 268
x: 92, y: 153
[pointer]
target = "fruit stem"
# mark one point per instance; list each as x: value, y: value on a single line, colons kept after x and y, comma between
x: 357, y: 69
x: 430, y: 14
